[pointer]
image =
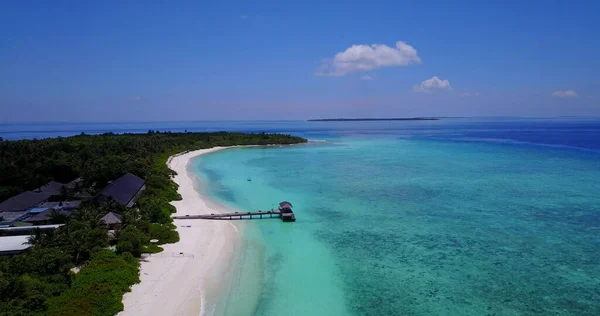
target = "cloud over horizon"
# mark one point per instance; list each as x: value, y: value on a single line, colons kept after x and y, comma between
x: 564, y: 94
x: 431, y: 84
x: 366, y: 77
x: 366, y: 58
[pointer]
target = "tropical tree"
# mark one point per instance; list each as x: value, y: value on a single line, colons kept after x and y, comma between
x: 35, y: 238
x: 57, y: 217
x: 132, y: 240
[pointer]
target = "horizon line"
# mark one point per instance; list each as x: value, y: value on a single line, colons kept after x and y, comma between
x: 300, y: 120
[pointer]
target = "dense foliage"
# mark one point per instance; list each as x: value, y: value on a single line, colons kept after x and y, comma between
x: 28, y: 164
x: 99, y: 286
x: 39, y: 281
x: 29, y: 279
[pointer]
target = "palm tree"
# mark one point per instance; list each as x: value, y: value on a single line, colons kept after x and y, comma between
x: 57, y: 217
x: 36, y: 238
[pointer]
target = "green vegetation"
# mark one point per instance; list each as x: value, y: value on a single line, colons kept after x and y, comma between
x: 99, y: 286
x: 132, y: 240
x: 165, y: 233
x: 28, y: 164
x: 39, y: 281
x: 29, y: 279
x: 152, y: 249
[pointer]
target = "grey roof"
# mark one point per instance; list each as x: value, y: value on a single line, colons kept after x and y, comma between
x: 30, y: 228
x: 65, y: 205
x: 45, y: 216
x: 11, y: 216
x: 73, y: 183
x: 111, y: 218
x: 39, y: 217
x: 124, y: 189
x: 23, y: 201
x: 51, y: 188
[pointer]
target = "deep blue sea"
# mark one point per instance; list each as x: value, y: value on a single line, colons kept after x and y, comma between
x: 453, y: 217
x: 580, y: 133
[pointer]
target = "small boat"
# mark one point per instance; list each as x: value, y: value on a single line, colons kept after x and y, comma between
x: 249, y: 180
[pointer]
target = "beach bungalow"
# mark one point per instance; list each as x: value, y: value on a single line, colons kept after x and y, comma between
x: 124, y: 190
x: 112, y: 220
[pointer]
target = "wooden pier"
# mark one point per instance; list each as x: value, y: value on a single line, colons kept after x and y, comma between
x: 284, y: 212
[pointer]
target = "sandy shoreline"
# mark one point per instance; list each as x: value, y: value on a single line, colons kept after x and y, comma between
x: 189, y: 273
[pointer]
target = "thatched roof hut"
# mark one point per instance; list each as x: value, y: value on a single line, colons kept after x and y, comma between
x: 285, y: 204
x: 285, y: 207
x: 111, y: 219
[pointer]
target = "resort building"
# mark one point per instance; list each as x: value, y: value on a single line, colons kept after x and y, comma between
x: 8, y: 218
x: 51, y: 188
x: 17, y: 207
x: 33, y: 203
x: 64, y: 205
x: 29, y: 199
x: 38, y: 207
x: 124, y: 190
x: 44, y: 215
x: 24, y: 201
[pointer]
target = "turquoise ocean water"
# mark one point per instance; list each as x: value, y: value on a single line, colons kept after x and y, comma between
x: 442, y: 222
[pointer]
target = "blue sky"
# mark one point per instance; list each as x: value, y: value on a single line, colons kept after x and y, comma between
x: 132, y: 61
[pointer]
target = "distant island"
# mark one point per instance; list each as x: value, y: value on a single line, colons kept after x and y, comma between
x: 376, y: 119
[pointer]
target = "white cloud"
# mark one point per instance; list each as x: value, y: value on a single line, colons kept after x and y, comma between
x: 431, y: 84
x: 564, y: 94
x: 469, y: 94
x: 366, y: 58
x: 366, y: 77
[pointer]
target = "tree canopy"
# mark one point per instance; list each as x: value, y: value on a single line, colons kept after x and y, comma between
x: 28, y: 164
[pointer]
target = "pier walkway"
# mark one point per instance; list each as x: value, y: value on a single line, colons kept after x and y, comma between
x: 285, y: 213
x: 232, y: 216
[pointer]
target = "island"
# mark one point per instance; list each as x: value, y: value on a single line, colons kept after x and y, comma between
x: 76, y: 214
x: 375, y: 119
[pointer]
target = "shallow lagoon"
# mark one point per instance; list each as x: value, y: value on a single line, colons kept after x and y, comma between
x: 415, y: 226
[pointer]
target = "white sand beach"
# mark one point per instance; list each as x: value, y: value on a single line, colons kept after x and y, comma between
x: 187, y: 275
